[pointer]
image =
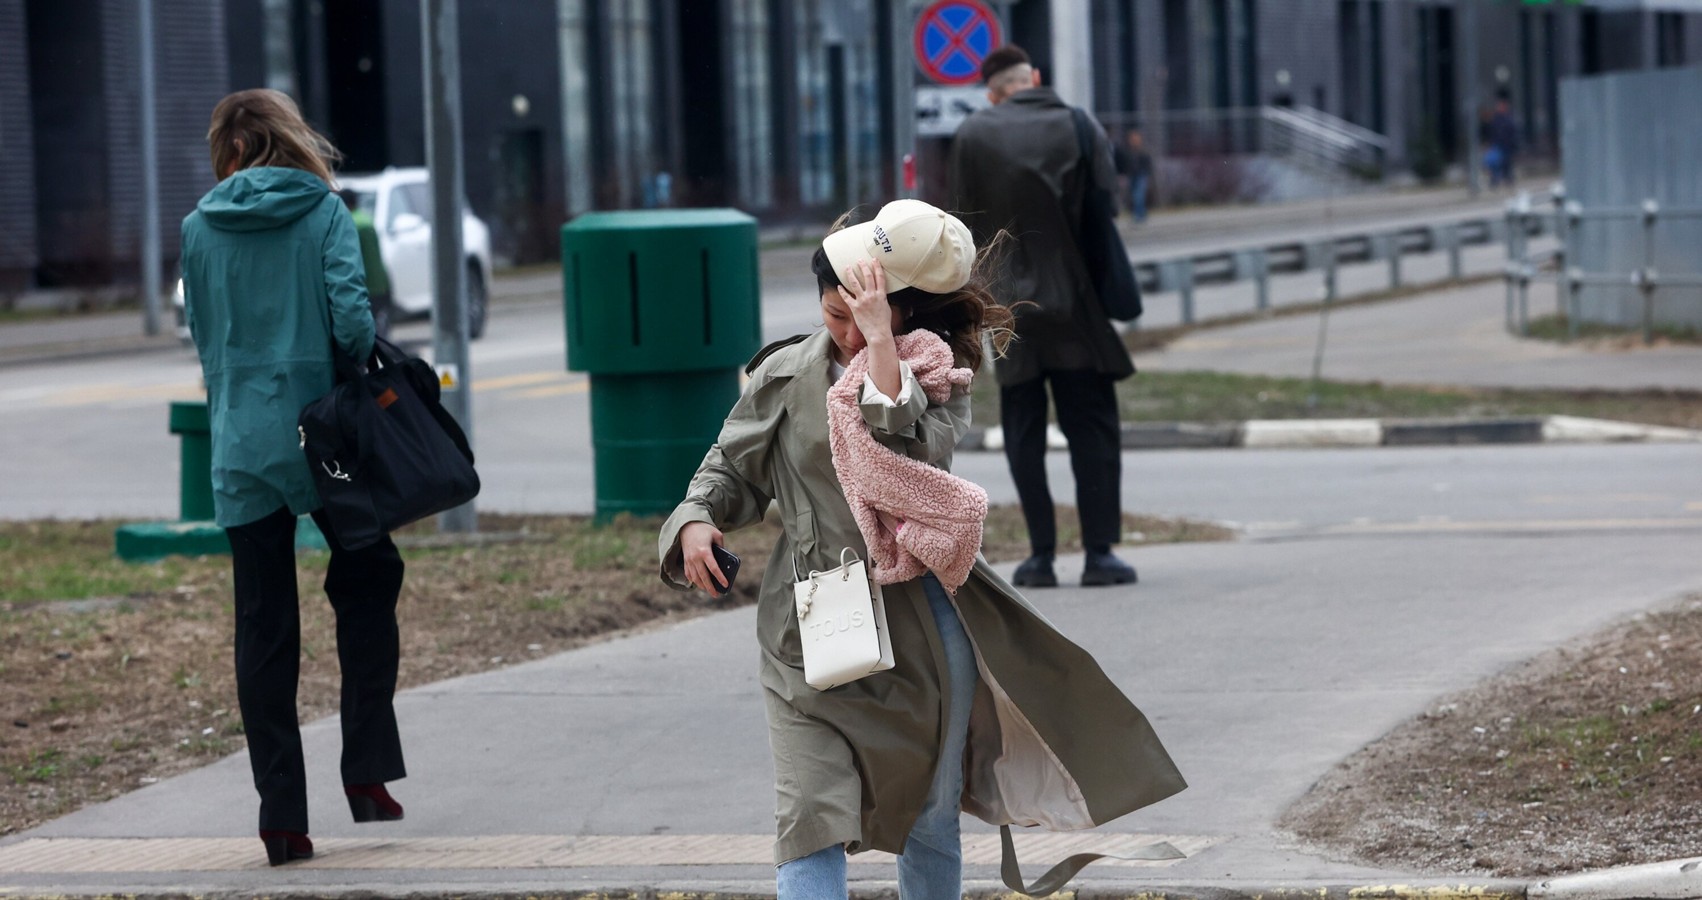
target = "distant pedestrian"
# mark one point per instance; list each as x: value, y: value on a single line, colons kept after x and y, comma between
x: 272, y: 275
x: 1134, y: 168
x: 1503, y: 143
x: 1017, y: 166
x: 372, y: 258
x: 888, y: 762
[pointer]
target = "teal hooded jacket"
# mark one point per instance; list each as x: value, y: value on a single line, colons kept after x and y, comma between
x: 272, y: 271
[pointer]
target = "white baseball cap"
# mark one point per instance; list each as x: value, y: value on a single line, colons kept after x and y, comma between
x: 919, y: 245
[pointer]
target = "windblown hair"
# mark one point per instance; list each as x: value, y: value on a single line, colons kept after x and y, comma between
x: 263, y: 127
x: 963, y: 318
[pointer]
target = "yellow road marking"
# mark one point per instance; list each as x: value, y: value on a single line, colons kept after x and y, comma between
x: 1556, y: 499
x: 555, y: 390
x: 555, y: 384
x: 522, y: 380
x: 107, y: 393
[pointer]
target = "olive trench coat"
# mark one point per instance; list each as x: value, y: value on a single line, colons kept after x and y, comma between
x: 1052, y: 741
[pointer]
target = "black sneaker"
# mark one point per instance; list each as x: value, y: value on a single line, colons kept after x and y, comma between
x: 1104, y: 568
x: 1036, y: 571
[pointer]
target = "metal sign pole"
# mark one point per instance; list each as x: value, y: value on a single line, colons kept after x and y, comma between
x: 904, y: 93
x: 442, y: 59
x: 1468, y: 76
x: 150, y: 175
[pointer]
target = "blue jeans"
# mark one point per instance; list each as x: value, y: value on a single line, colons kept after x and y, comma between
x: 1137, y: 197
x: 931, y: 866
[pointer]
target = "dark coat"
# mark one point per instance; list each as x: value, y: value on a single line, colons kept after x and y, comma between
x: 1017, y: 166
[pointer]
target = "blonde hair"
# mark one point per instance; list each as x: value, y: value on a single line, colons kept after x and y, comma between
x: 263, y: 127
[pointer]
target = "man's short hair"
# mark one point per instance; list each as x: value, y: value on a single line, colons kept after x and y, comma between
x: 1001, y: 59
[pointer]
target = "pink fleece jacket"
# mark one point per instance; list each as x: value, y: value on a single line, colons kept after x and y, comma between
x: 935, y: 517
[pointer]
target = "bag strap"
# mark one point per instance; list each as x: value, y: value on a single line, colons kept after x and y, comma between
x: 384, y: 355
x: 1084, y: 164
x: 1060, y: 874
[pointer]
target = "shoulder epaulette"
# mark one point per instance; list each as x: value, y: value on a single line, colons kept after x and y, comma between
x: 766, y: 352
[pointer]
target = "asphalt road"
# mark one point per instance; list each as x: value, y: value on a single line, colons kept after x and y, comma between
x: 89, y: 439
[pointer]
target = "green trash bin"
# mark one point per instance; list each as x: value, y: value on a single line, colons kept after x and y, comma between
x: 663, y: 308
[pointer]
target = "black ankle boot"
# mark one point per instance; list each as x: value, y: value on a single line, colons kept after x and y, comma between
x: 372, y: 803
x: 284, y: 846
x: 1036, y: 571
x: 1102, y: 568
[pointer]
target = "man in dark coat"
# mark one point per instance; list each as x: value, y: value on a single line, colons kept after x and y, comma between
x: 1503, y: 139
x: 1018, y: 166
x: 1134, y: 167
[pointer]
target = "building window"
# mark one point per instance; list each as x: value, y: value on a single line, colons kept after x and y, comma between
x: 1669, y: 38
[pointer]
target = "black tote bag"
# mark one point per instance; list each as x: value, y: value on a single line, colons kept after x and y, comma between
x: 383, y: 450
x: 1101, y: 246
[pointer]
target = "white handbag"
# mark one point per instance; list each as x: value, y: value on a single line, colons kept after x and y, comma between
x: 842, y: 624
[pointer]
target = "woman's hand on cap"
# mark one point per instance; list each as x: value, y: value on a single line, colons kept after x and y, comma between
x: 865, y: 292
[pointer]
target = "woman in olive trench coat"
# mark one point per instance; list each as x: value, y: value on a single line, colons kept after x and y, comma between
x: 1052, y: 742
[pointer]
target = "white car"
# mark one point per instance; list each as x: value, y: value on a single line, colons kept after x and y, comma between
x: 399, y: 201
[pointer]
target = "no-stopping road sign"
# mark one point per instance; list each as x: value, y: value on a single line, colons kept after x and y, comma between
x: 952, y: 37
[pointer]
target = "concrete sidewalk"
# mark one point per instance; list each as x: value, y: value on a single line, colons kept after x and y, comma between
x: 642, y: 764
x: 1451, y: 336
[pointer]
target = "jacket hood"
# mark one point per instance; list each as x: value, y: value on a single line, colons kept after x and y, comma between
x: 262, y: 198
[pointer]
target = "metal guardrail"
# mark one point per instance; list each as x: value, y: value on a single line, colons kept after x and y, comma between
x: 1258, y: 262
x: 1527, y: 215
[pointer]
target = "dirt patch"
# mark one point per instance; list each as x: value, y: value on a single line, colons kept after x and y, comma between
x: 1586, y: 756
x: 113, y: 676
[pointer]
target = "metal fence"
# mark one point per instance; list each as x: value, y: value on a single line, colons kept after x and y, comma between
x: 1627, y: 138
x: 1565, y: 265
x: 1258, y: 262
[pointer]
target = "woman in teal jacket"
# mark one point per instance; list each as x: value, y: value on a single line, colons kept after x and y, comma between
x: 272, y: 274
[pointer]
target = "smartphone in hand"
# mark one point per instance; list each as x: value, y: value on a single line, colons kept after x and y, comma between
x: 729, y: 565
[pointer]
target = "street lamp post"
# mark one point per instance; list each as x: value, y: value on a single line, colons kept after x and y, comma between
x: 442, y: 58
x: 1468, y: 79
x: 150, y: 174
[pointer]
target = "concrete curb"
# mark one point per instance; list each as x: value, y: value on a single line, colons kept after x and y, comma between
x: 1670, y: 880
x: 1322, y: 433
x: 1488, y: 890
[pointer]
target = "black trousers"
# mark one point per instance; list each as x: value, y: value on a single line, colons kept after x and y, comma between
x: 1087, y: 414
x: 363, y: 586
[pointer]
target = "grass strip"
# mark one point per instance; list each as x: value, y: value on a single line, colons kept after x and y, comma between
x: 1163, y: 396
